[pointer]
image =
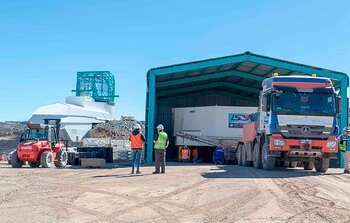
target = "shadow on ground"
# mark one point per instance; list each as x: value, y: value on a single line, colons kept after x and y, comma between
x: 234, y: 171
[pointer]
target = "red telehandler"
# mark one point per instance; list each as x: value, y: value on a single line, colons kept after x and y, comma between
x: 40, y: 146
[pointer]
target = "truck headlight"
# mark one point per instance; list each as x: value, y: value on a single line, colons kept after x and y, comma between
x: 279, y: 142
x: 331, y: 144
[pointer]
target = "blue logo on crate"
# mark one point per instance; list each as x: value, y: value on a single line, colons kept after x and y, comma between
x: 237, y: 120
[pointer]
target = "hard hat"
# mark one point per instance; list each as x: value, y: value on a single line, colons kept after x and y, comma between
x: 137, y: 126
x: 160, y: 126
x: 346, y: 129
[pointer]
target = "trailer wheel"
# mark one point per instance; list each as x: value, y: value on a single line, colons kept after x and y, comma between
x: 46, y: 159
x: 34, y: 164
x: 268, y: 162
x: 62, y: 159
x: 293, y: 164
x: 239, y: 155
x: 257, y: 156
x: 322, y: 165
x: 15, y: 162
x: 308, y: 165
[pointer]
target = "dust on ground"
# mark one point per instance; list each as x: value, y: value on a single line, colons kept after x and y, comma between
x: 186, y: 193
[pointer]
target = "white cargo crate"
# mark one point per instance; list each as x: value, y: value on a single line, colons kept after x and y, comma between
x: 223, y: 123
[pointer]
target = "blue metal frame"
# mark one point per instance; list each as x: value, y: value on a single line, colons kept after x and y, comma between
x: 99, y: 85
x: 218, y: 62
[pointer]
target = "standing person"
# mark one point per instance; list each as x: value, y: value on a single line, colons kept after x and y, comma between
x: 136, y: 138
x: 161, y: 142
x: 344, y: 147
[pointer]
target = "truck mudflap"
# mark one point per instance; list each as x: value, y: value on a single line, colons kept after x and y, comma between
x: 309, y: 147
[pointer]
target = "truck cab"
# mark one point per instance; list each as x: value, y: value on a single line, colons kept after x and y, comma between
x: 297, y: 122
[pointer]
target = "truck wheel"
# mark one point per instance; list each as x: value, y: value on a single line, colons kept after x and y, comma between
x: 15, y: 162
x: 308, y: 165
x: 322, y: 165
x: 34, y: 164
x: 62, y: 159
x: 244, y: 157
x: 268, y: 162
x: 257, y: 156
x: 46, y: 159
x: 293, y: 164
x: 239, y: 155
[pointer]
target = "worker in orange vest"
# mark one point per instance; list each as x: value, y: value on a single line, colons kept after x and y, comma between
x: 136, y: 138
x: 195, y: 155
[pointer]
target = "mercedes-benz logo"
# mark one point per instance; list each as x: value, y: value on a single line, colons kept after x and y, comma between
x: 305, y: 130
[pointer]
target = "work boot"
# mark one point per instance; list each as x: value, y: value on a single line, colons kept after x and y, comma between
x: 346, y: 171
x: 138, y: 172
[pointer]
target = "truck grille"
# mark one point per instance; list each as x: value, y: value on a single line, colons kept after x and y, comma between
x: 305, y: 131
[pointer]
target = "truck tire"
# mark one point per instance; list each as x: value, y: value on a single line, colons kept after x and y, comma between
x: 322, y: 165
x: 308, y: 165
x: 244, y: 157
x: 62, y: 159
x: 34, y: 164
x: 268, y: 162
x: 46, y: 159
x: 257, y: 156
x: 15, y: 162
x: 239, y: 155
x: 293, y: 164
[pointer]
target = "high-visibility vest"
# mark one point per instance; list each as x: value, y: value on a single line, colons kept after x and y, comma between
x: 136, y: 141
x: 161, y: 141
x: 185, y: 154
x: 195, y: 152
x: 343, y: 142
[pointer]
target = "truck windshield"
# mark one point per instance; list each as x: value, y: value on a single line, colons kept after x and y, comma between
x: 31, y: 134
x: 297, y: 103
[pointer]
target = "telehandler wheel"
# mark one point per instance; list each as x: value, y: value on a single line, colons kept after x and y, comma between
x: 15, y: 162
x: 257, y: 156
x: 62, y: 159
x: 308, y: 165
x: 46, y: 159
x: 239, y: 155
x: 34, y: 164
x: 268, y: 162
x: 322, y: 165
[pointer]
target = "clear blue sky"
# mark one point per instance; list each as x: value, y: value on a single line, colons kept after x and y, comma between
x: 44, y: 43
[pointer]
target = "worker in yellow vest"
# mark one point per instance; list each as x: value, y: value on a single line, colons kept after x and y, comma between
x: 344, y: 147
x: 161, y: 142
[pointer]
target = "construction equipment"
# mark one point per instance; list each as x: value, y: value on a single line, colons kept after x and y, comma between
x: 40, y: 146
x: 297, y: 120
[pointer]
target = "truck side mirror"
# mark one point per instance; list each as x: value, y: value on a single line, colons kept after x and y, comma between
x: 339, y: 105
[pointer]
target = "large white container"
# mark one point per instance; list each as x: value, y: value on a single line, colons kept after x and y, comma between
x: 223, y: 123
x: 77, y: 115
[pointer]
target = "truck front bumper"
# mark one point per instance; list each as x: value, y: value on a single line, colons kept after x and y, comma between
x: 303, y: 147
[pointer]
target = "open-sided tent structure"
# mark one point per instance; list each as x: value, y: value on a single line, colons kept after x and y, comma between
x: 226, y: 81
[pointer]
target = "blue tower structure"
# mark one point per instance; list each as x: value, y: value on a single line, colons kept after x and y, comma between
x: 100, y: 85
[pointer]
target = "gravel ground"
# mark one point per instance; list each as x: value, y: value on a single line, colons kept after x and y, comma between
x: 186, y: 193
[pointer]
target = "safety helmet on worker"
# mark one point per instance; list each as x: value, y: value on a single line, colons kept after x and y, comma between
x: 137, y: 126
x: 346, y: 129
x: 160, y: 127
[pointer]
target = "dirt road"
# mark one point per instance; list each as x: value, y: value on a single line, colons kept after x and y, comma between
x: 189, y: 193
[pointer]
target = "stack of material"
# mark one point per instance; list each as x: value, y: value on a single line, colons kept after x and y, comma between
x: 127, y: 118
x: 115, y: 129
x: 10, y: 133
x: 119, y: 132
